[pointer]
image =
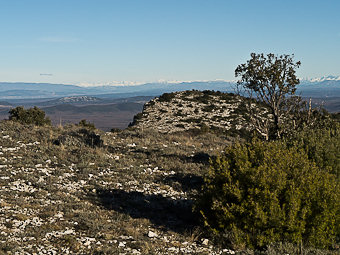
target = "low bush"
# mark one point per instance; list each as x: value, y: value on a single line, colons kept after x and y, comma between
x: 136, y: 118
x: 260, y: 193
x: 85, y: 124
x: 115, y: 130
x: 33, y: 116
x: 166, y: 97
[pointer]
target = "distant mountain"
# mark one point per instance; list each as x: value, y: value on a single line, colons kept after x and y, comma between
x: 14, y: 91
x: 325, y: 78
x: 321, y: 87
x: 38, y: 86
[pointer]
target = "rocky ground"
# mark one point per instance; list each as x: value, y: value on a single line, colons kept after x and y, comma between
x: 190, y: 110
x: 73, y: 190
x: 70, y: 191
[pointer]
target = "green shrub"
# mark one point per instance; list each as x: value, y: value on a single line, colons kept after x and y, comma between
x: 115, y: 130
x: 85, y: 124
x: 204, y: 99
x: 259, y: 193
x: 209, y: 108
x: 136, y: 118
x: 166, y: 97
x: 33, y: 115
x: 322, y: 146
x: 193, y: 120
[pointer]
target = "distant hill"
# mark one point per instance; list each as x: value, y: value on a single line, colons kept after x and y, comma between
x: 71, y: 100
x: 104, y: 116
x: 48, y: 87
x: 108, y: 108
x: 104, y: 113
x: 5, y: 104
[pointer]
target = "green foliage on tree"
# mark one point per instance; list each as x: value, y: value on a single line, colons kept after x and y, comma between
x: 270, y: 79
x: 259, y: 193
x: 33, y: 116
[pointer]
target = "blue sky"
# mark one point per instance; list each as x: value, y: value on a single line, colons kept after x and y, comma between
x: 98, y: 41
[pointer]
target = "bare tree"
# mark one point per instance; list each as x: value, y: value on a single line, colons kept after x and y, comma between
x: 270, y: 79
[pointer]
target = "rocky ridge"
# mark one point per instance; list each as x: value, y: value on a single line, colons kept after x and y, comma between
x: 196, y: 110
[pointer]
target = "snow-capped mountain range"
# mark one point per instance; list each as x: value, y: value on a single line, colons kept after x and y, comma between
x: 327, y: 86
x: 323, y: 78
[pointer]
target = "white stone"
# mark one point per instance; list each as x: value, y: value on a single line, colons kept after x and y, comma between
x: 205, y: 242
x: 152, y: 234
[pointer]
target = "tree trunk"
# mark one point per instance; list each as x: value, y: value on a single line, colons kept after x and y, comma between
x: 276, y: 125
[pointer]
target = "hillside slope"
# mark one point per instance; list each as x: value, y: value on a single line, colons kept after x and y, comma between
x: 72, y: 191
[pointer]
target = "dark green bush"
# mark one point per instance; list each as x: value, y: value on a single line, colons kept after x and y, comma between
x: 193, y: 120
x: 79, y: 138
x: 85, y: 124
x: 204, y: 99
x: 115, y: 130
x: 136, y: 118
x: 166, y: 97
x: 33, y: 115
x: 209, y: 108
x: 259, y: 193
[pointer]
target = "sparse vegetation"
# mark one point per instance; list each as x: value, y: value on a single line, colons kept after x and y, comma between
x: 60, y: 193
x: 75, y: 189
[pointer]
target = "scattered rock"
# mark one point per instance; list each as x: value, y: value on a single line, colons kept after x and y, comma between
x: 152, y: 234
x: 205, y: 242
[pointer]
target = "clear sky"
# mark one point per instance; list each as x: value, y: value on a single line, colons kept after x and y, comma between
x: 80, y: 41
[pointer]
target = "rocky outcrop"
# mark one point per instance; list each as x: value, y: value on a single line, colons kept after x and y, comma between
x: 196, y: 110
